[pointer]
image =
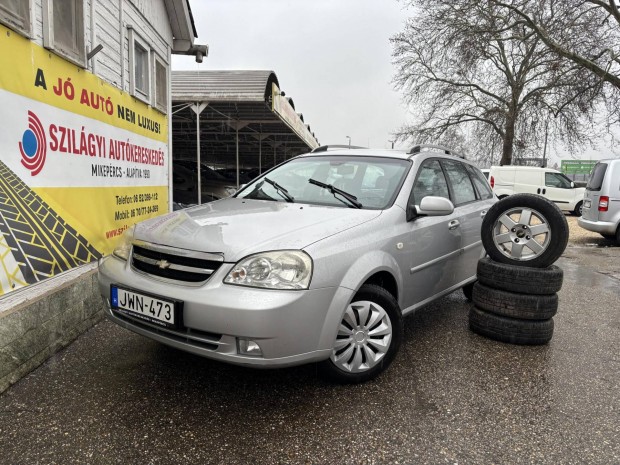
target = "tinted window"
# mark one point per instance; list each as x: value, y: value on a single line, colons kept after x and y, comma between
x: 597, y: 177
x: 461, y: 183
x: 430, y: 181
x: 481, y: 183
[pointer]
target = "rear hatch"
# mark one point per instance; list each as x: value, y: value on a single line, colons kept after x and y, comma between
x: 593, y: 192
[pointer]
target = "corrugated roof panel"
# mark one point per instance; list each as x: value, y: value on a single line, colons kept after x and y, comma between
x: 222, y: 86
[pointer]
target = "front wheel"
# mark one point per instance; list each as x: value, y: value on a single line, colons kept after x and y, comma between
x: 369, y: 336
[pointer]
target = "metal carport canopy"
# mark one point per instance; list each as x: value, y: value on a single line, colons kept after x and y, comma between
x: 243, y: 117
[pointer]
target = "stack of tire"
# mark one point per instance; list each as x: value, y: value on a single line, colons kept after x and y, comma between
x: 515, y: 297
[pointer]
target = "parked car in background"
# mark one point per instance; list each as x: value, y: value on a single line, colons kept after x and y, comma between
x: 245, y: 175
x: 316, y: 261
x: 547, y: 182
x: 601, y: 201
x: 214, y: 186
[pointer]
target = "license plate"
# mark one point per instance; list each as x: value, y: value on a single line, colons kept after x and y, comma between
x: 151, y: 308
x: 587, y: 203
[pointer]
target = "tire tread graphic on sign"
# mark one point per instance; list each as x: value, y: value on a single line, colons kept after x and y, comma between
x: 41, y: 242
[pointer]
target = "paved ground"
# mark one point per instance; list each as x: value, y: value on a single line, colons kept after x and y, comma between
x: 450, y: 396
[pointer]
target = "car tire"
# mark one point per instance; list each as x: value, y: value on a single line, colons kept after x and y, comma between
x: 520, y: 279
x: 609, y: 237
x: 515, y: 305
x: 468, y: 290
x: 578, y: 211
x: 510, y: 330
x: 525, y: 230
x: 374, y: 317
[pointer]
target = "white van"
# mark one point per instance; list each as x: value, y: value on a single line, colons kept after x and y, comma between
x: 547, y: 182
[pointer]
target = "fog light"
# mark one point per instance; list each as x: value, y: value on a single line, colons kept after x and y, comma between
x: 248, y: 347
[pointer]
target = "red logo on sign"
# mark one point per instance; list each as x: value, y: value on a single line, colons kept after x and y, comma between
x: 33, y: 145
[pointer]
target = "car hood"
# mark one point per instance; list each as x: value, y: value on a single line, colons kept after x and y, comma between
x: 240, y: 227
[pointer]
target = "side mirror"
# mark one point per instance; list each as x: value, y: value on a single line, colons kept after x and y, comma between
x: 572, y: 184
x: 430, y: 206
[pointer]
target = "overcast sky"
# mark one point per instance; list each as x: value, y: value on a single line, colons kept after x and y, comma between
x: 332, y: 57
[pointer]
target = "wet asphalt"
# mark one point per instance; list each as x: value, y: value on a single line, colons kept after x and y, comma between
x: 450, y: 397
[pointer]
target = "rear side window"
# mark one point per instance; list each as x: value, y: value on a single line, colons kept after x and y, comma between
x: 481, y: 183
x: 596, y: 178
x: 464, y: 191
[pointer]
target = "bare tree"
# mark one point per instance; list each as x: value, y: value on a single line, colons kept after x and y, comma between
x: 470, y: 68
x: 586, y: 32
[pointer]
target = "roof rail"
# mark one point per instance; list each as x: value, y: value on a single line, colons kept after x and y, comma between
x: 325, y: 148
x: 447, y: 151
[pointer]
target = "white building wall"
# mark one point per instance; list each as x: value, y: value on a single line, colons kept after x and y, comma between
x: 148, y: 18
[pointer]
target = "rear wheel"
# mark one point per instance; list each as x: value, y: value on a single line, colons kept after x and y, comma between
x: 369, y: 336
x: 468, y: 290
x: 578, y: 211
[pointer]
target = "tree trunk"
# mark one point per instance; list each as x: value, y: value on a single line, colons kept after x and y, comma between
x: 509, y: 137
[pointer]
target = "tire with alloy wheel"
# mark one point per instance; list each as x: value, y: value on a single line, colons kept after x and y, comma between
x: 515, y: 305
x: 525, y: 230
x: 369, y: 336
x: 511, y: 330
x: 520, y: 279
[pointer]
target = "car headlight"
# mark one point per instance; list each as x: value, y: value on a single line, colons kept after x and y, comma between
x: 123, y: 248
x: 283, y: 269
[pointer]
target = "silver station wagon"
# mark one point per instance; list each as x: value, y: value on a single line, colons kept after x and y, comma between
x: 317, y: 260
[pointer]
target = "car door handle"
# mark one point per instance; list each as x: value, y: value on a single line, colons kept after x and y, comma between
x: 453, y: 224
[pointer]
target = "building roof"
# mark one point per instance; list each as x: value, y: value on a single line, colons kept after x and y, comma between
x: 247, y: 104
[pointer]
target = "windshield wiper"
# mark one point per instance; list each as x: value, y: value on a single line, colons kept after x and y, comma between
x: 334, y: 190
x: 281, y: 190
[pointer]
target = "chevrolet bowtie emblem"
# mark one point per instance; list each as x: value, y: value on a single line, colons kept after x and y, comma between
x: 163, y: 264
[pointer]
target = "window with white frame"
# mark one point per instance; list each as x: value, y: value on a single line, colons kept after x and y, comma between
x: 161, y: 85
x: 139, y: 63
x: 16, y: 15
x: 63, y: 28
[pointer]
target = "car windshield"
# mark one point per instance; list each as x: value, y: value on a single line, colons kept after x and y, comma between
x: 373, y: 181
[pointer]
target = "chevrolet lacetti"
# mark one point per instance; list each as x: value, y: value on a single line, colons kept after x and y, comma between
x: 316, y: 260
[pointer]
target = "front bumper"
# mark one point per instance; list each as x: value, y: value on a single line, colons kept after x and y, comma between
x: 291, y: 327
x: 602, y: 227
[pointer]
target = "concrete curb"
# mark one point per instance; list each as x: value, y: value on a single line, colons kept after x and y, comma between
x: 37, y: 324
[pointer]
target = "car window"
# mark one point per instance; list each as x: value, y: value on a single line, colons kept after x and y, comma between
x: 459, y: 180
x: 557, y: 180
x: 430, y: 181
x: 481, y: 183
x: 596, y: 178
x: 374, y: 181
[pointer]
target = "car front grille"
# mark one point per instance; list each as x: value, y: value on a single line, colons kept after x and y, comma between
x: 179, y: 265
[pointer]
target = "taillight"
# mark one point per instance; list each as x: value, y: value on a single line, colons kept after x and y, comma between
x: 492, y: 182
x: 603, y: 203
